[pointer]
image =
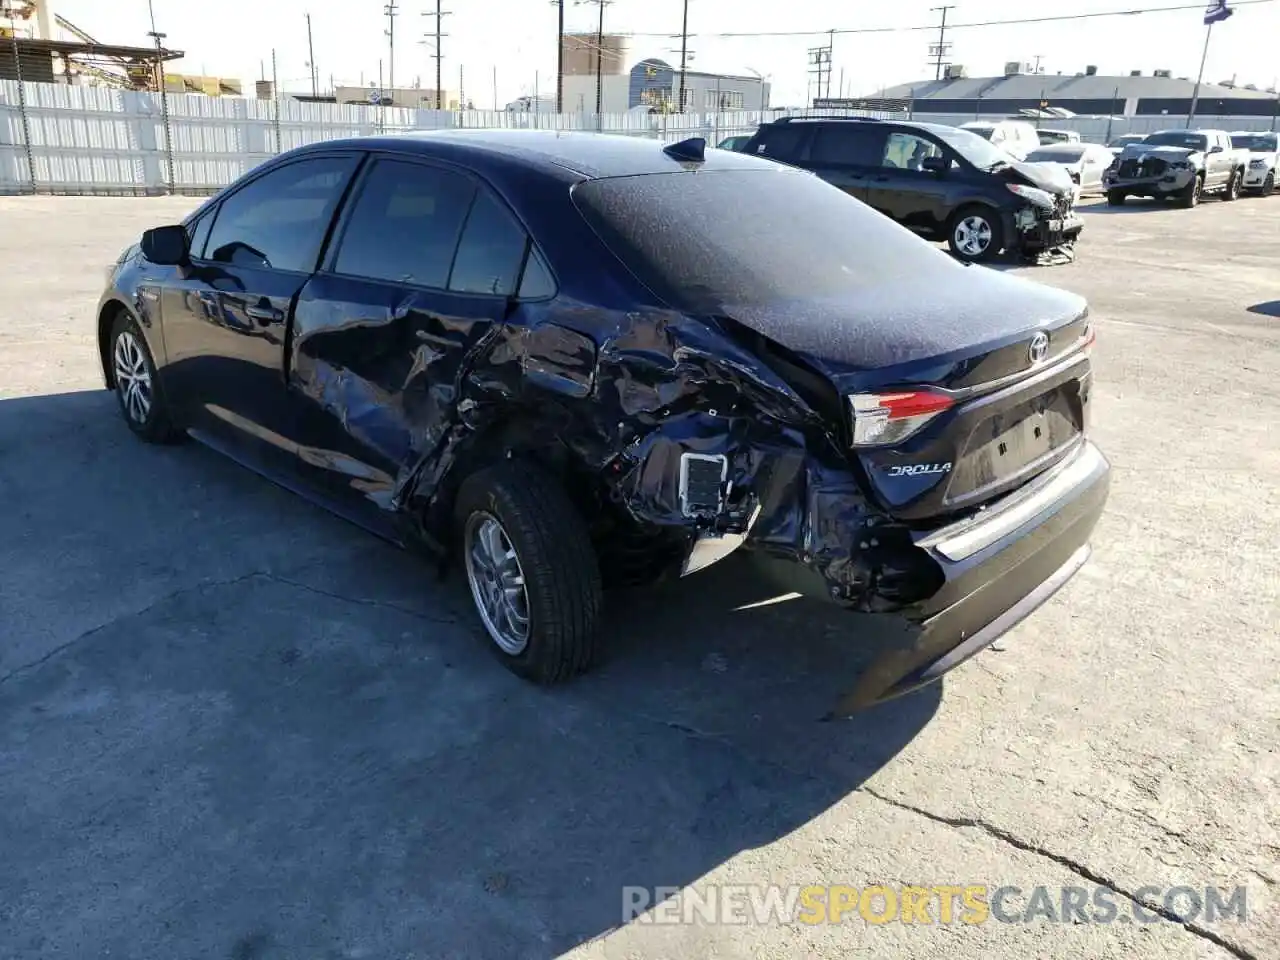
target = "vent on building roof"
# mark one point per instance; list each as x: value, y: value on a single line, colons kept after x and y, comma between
x: 954, y: 71
x: 1016, y: 68
x: 1162, y: 73
x: 1135, y: 73
x: 1091, y: 71
x: 1251, y: 86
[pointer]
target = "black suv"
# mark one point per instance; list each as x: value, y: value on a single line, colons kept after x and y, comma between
x: 942, y: 182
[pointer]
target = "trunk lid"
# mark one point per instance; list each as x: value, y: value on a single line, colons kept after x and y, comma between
x: 1015, y: 411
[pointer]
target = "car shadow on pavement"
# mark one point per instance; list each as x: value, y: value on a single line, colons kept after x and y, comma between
x: 1268, y: 308
x: 248, y: 729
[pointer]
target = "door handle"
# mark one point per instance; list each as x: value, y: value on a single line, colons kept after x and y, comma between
x: 264, y: 315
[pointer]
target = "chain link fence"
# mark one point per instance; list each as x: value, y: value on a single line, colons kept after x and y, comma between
x: 56, y: 138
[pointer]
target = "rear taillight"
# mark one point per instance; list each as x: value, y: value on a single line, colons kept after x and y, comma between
x: 883, y: 419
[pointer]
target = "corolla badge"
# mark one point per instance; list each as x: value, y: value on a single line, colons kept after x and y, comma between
x: 918, y: 469
x: 1039, y: 348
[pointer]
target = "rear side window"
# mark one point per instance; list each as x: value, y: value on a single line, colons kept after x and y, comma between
x: 709, y: 242
x: 779, y: 141
x: 405, y: 224
x: 278, y: 221
x: 847, y: 143
x: 491, y: 251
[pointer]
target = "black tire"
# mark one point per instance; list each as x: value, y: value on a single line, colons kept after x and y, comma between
x: 1116, y: 198
x: 966, y: 252
x: 1190, y: 197
x: 1232, y: 189
x: 1269, y: 185
x: 560, y: 571
x: 156, y: 423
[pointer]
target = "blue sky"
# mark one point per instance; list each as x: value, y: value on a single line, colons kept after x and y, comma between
x: 517, y: 37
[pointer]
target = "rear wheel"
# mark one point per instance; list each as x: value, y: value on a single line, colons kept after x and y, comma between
x: 1269, y: 184
x: 1116, y: 198
x: 142, y: 401
x: 975, y: 234
x: 532, y: 571
x: 1191, y: 195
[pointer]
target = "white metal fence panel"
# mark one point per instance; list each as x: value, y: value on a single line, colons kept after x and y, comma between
x: 95, y: 140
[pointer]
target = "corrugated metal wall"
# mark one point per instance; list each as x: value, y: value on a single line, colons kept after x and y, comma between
x: 93, y: 140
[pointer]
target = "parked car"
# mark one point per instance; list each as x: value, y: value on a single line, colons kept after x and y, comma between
x: 1264, y: 154
x: 941, y: 182
x: 1083, y: 162
x: 1015, y: 137
x: 1180, y: 165
x: 1047, y: 136
x: 1117, y: 144
x: 734, y: 143
x: 572, y: 360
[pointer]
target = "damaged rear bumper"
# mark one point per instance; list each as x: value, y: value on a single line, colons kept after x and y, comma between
x: 997, y: 568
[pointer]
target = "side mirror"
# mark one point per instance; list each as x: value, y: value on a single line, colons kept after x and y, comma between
x: 1216, y: 148
x: 937, y: 165
x: 166, y: 246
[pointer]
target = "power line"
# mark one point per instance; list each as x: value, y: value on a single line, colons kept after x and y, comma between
x: 1057, y: 18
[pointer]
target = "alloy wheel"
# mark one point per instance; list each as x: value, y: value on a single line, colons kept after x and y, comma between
x: 133, y: 377
x: 497, y: 582
x: 973, y: 236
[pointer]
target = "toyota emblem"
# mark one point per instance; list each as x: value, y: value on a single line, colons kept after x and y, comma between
x: 1039, y: 348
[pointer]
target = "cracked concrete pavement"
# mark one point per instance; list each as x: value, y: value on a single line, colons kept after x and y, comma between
x: 231, y: 725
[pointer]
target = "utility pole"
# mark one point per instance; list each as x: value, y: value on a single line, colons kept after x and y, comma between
x: 601, y: 4
x: 439, y: 54
x: 164, y: 94
x: 942, y: 39
x: 684, y: 55
x: 495, y: 89
x: 311, y: 52
x: 560, y: 58
x: 391, y: 10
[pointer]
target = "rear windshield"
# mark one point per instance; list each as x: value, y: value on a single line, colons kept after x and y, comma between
x: 704, y: 240
x: 1056, y: 155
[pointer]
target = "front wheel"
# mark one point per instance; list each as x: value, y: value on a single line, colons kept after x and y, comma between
x: 1191, y: 195
x: 1115, y: 198
x: 1269, y: 184
x: 532, y: 571
x: 975, y: 235
x: 137, y: 386
x: 1233, y: 187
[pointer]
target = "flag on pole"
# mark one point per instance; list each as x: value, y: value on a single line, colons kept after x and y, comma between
x: 1216, y: 12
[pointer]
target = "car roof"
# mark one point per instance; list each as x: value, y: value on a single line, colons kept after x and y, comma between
x: 1061, y: 147
x: 579, y: 155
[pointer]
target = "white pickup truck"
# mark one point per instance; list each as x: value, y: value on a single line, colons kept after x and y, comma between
x: 1180, y: 165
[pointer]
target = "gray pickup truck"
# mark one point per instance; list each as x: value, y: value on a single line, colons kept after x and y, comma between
x: 1181, y: 165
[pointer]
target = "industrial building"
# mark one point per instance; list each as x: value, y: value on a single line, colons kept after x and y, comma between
x: 51, y: 49
x: 655, y: 84
x: 1021, y: 88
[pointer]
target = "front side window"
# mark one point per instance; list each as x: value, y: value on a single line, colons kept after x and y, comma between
x: 405, y: 224
x: 278, y: 221
x: 906, y: 151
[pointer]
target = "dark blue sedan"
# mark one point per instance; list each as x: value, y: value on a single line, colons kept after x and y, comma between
x: 572, y: 361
